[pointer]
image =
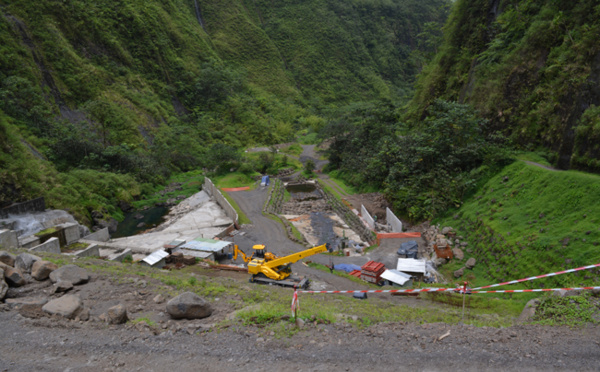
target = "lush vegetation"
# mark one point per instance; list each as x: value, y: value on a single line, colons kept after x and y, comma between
x: 531, y: 67
x: 528, y: 221
x: 133, y: 92
x: 423, y: 167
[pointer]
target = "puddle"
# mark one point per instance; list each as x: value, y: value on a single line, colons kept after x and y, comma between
x: 304, y: 191
x: 151, y: 218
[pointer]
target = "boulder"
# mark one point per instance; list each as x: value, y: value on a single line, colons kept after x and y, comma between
x: 67, y: 306
x: 116, y: 314
x: 70, y: 273
x: 7, y: 258
x: 470, y: 263
x: 159, y: 299
x: 41, y: 269
x: 14, y: 277
x: 458, y: 253
x: 3, y: 286
x: 62, y: 286
x: 188, y: 306
x: 528, y: 311
x: 446, y: 230
x: 25, y: 261
x: 458, y: 273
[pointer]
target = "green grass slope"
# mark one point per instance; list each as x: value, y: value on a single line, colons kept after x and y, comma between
x: 528, y: 221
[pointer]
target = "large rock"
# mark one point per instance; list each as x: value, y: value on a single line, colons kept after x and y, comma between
x: 67, y: 306
x: 14, y: 277
x: 470, y: 263
x: 188, y: 306
x: 528, y: 311
x: 7, y: 258
x: 42, y: 269
x: 3, y: 286
x: 458, y: 253
x: 25, y: 261
x: 458, y: 273
x: 70, y: 273
x: 62, y: 286
x: 116, y: 314
x: 446, y: 230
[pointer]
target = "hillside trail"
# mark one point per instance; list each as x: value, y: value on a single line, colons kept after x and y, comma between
x: 542, y: 166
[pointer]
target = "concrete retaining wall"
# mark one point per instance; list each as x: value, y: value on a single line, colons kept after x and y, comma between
x: 70, y: 232
x: 120, y: 256
x: 393, y: 221
x: 99, y: 236
x: 35, y: 205
x: 214, y: 192
x: 91, y: 251
x: 29, y: 241
x: 366, y: 216
x: 51, y: 245
x: 8, y: 239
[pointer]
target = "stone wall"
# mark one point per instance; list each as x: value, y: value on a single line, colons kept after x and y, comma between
x: 215, y: 193
x: 35, y: 205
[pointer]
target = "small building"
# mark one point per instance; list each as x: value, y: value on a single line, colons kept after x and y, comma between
x: 156, y: 259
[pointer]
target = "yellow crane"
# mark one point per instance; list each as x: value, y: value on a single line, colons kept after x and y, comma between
x: 265, y: 267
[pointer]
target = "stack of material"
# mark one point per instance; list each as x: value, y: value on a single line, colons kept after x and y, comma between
x: 355, y: 273
x: 371, y: 272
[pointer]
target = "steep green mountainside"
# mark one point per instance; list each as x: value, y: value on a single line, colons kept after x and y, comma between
x: 528, y: 221
x: 144, y: 88
x: 531, y: 67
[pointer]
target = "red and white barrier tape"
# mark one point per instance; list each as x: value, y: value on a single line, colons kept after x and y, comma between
x: 534, y: 290
x: 390, y: 290
x: 457, y: 290
x: 540, y: 276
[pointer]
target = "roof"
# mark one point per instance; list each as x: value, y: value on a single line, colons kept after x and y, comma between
x: 396, y: 276
x: 411, y: 265
x: 155, y: 257
x: 206, y: 245
x: 373, y: 266
x: 199, y: 254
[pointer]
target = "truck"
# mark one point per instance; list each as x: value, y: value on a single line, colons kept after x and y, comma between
x: 267, y: 268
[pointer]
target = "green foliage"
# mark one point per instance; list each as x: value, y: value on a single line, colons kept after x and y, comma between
x: 571, y: 311
x: 528, y: 221
x: 424, y: 170
x: 530, y: 67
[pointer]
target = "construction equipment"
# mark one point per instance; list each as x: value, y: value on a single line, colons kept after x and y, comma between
x: 267, y: 268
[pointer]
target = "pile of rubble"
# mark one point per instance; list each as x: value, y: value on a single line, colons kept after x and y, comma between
x: 25, y: 274
x: 443, y: 245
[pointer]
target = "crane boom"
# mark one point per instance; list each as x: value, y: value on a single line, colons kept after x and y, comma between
x: 294, y: 257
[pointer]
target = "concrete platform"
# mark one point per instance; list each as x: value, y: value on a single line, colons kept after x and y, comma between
x: 200, y: 216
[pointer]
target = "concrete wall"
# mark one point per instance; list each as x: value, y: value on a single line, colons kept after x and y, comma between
x: 35, y: 205
x: 91, y: 251
x: 29, y: 241
x: 393, y: 221
x: 120, y: 256
x: 8, y: 239
x: 99, y: 236
x: 51, y: 245
x: 214, y: 192
x: 366, y: 216
x: 70, y: 232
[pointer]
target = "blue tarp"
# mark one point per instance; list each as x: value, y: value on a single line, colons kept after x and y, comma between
x: 409, y: 249
x: 346, y: 267
x: 265, y: 181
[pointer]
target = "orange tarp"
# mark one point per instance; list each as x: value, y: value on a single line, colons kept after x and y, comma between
x: 236, y: 188
x: 399, y: 235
